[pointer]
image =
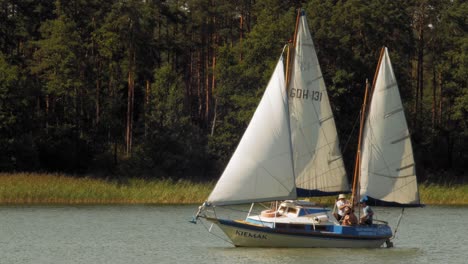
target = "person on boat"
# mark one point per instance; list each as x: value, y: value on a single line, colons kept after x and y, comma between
x: 367, y: 213
x: 350, y: 218
x: 341, y: 203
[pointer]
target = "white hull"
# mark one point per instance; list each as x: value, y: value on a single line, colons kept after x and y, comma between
x: 248, y: 237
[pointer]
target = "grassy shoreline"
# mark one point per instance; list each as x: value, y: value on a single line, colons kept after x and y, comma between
x: 27, y: 188
x: 33, y: 188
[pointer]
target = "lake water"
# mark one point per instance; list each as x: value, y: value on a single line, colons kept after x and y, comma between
x: 162, y: 234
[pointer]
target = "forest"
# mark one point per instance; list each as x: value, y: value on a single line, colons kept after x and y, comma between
x: 159, y: 89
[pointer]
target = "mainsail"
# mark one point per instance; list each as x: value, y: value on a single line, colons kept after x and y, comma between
x: 290, y: 147
x: 318, y: 163
x: 261, y: 167
x: 387, y: 164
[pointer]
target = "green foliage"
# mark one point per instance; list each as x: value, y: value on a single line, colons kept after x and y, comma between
x: 18, y: 148
x: 65, y: 67
x: 167, y: 96
x: 447, y: 52
x: 172, y: 146
x: 57, y: 56
x: 348, y: 36
x: 241, y: 83
x: 61, y: 149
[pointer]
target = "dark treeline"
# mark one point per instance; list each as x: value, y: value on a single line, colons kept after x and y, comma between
x: 158, y: 89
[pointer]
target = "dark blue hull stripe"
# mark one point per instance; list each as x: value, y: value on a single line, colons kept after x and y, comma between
x: 377, y: 202
x: 292, y: 232
x: 316, y: 193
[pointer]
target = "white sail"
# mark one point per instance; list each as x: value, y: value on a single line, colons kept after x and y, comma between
x: 387, y: 163
x: 318, y: 163
x: 261, y: 168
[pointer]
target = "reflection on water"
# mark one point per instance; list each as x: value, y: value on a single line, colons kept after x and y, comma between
x: 162, y: 234
x: 316, y: 255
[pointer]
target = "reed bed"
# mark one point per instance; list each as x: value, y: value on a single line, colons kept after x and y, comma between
x: 26, y: 188
x: 33, y: 188
x: 444, y: 195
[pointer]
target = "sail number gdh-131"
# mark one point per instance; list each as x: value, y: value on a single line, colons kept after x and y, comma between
x: 305, y: 94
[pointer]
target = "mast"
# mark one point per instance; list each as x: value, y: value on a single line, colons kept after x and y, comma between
x: 382, y: 52
x: 290, y: 55
x: 289, y: 62
x: 357, y: 165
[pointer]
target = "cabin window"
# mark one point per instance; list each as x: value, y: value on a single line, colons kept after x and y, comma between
x: 282, y: 209
x: 292, y: 210
x: 302, y: 212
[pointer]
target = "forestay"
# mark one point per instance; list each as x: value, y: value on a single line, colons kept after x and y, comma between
x: 261, y: 168
x: 318, y: 162
x: 387, y: 164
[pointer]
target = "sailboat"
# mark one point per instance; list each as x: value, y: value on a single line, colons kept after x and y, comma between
x: 290, y: 149
x: 386, y: 167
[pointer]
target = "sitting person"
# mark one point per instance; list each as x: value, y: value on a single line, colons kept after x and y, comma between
x: 367, y: 217
x: 349, y: 219
x: 341, y: 203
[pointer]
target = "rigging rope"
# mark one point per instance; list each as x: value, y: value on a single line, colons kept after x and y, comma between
x: 349, y: 137
x: 209, y: 231
x: 398, y: 223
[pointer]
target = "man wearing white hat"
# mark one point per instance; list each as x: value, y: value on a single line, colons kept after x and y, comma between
x: 340, y: 205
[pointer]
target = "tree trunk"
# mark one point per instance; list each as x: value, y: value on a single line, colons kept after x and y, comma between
x: 441, y: 99
x: 434, y: 100
x: 416, y: 96
x: 47, y: 104
x: 421, y: 71
x: 188, y: 84
x: 241, y: 32
x: 98, y: 91
x: 147, y: 97
x: 97, y: 65
x: 199, y: 85
x: 420, y: 24
x: 213, y: 84
x: 207, y: 91
x: 130, y: 100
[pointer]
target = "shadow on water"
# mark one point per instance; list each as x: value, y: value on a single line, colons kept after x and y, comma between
x: 317, y: 255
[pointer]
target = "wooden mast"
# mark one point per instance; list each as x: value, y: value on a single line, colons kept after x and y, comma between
x: 357, y: 165
x: 290, y: 54
x: 382, y: 51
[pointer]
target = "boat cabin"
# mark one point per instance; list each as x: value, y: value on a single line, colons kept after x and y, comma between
x: 295, y: 212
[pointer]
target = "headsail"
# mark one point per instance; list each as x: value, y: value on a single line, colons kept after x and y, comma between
x: 318, y: 163
x: 387, y: 165
x: 261, y: 168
